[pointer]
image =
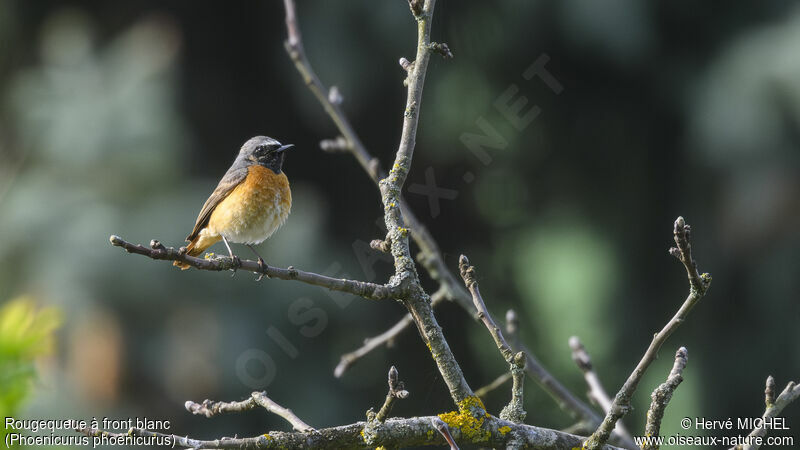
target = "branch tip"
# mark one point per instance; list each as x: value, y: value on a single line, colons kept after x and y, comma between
x: 334, y: 96
x: 406, y: 64
x: 698, y: 286
x: 769, y: 392
x: 442, y: 49
x: 416, y: 7
x: 384, y: 246
x: 396, y: 391
x: 336, y: 145
x: 580, y: 356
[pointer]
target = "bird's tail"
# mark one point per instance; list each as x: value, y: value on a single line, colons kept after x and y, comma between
x: 197, y: 246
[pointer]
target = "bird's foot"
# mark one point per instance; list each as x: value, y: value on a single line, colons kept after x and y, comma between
x: 236, y: 263
x: 262, y: 267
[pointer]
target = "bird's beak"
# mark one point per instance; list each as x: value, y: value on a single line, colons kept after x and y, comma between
x: 283, y: 148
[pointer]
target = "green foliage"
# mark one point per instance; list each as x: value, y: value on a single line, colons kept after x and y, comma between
x: 26, y: 333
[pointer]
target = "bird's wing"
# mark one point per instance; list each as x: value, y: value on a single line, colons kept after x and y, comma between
x: 232, y: 178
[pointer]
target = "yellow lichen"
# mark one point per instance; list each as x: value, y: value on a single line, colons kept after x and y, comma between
x: 468, y: 419
x: 266, y: 436
x: 504, y: 430
x: 472, y: 405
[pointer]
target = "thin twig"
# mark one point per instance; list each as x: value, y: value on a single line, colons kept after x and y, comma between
x: 430, y: 256
x: 513, y: 411
x: 348, y: 359
x: 405, y: 275
x: 210, y: 409
x: 661, y: 397
x: 406, y: 278
x: 396, y: 391
x: 444, y: 430
x: 265, y: 402
x: 536, y: 371
x: 698, y: 286
x: 496, y: 383
x: 363, y: 289
x: 774, y: 406
x: 394, y: 433
x: 468, y: 274
x: 596, y: 390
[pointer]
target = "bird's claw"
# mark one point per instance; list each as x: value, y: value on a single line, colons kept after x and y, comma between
x: 262, y: 266
x: 236, y: 263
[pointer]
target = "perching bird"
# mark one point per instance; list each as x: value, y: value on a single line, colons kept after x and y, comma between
x: 250, y: 202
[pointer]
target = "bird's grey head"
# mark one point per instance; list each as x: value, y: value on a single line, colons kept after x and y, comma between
x: 264, y: 151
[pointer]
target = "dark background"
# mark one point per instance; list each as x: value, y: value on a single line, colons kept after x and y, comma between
x: 119, y: 118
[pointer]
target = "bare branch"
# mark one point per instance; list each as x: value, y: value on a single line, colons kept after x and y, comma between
x: 661, y: 397
x: 339, y: 144
x: 683, y: 252
x: 444, y: 430
x: 596, y: 390
x: 499, y: 381
x: 536, y: 371
x: 363, y: 289
x: 698, y: 286
x: 410, y: 432
x: 769, y: 392
x: 468, y: 274
x: 265, y: 402
x: 396, y: 391
x: 512, y: 328
x: 414, y: 297
x: 210, y: 409
x: 430, y: 256
x: 791, y: 393
x: 513, y: 411
x: 348, y: 359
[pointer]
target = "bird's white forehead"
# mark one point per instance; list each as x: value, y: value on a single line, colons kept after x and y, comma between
x: 261, y: 140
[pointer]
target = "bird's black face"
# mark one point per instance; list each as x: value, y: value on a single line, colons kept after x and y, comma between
x: 270, y: 155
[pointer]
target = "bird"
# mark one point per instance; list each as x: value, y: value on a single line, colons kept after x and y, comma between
x: 251, y: 201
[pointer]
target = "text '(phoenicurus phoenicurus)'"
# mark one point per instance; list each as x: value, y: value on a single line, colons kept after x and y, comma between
x: 250, y: 202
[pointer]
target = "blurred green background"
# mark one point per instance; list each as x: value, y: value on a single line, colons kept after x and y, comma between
x: 120, y: 117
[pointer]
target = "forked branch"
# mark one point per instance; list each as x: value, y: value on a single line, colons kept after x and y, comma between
x: 698, y: 286
x: 210, y: 409
x: 774, y: 406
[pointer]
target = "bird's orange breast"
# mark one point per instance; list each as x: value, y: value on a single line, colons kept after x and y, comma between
x: 254, y: 209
